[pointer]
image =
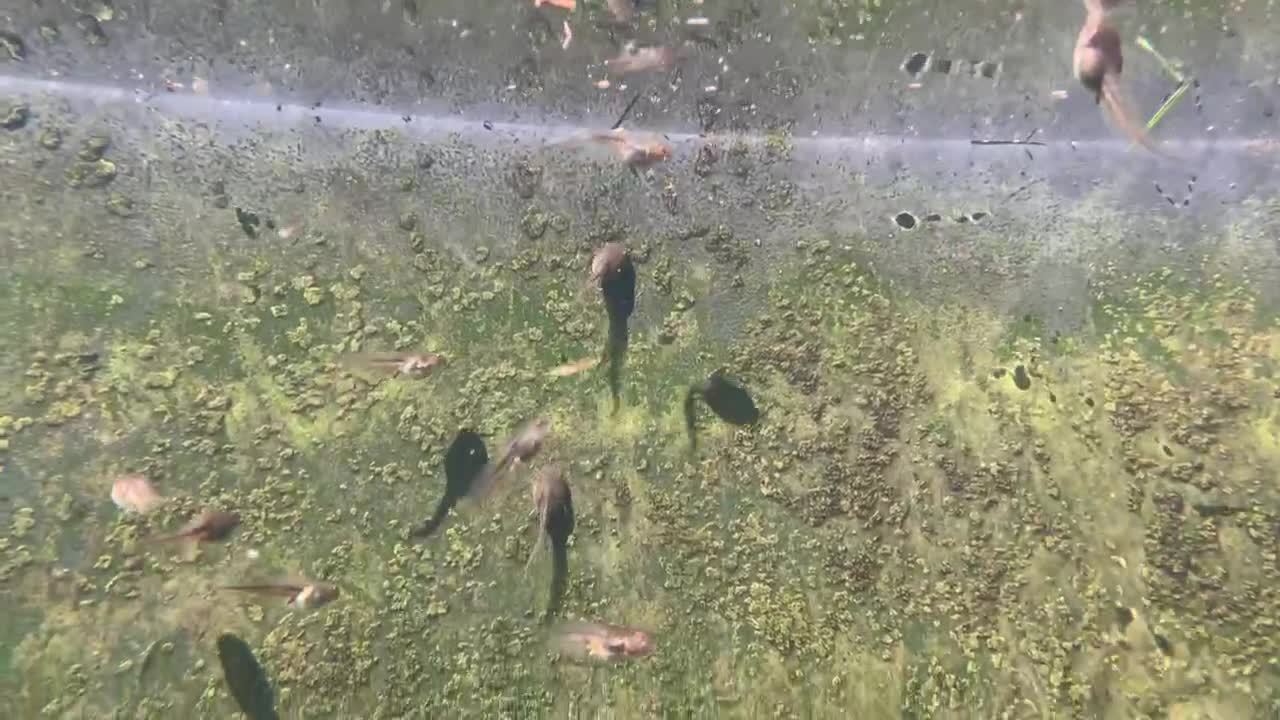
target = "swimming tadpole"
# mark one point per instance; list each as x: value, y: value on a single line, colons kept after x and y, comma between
x: 727, y: 399
x: 245, y: 677
x: 464, y: 461
x: 520, y: 449
x: 618, y: 286
x: 553, y: 501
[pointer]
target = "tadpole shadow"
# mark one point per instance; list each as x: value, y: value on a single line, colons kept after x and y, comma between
x: 245, y: 677
x: 725, y: 397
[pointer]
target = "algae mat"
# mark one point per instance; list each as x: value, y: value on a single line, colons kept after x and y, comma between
x: 943, y: 512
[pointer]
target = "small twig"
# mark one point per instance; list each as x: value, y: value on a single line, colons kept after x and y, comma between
x: 627, y: 111
x: 1006, y: 142
x: 1174, y: 70
x: 1024, y: 187
x: 1168, y: 105
x: 1169, y: 66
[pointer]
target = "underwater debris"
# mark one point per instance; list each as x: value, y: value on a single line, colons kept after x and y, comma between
x: 14, y: 48
x: 634, y: 59
x: 525, y: 179
x: 246, y: 679
x: 1020, y: 378
x: 599, y: 642
x: 91, y: 29
x: 91, y: 174
x: 464, y: 461
x: 93, y: 149
x: 302, y: 596
x: 1124, y: 616
x: 208, y: 526
x: 569, y: 5
x: 248, y: 222
x: 120, y: 205
x: 623, y: 10
x: 50, y: 138
x: 134, y: 494
x: 1217, y: 510
x: 553, y: 502
x: 15, y: 117
x: 100, y: 9
x: 727, y: 399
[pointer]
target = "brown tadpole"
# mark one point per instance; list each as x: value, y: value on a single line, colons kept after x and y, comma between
x: 208, y: 526
x: 1098, y: 61
x: 521, y: 448
x: 729, y: 400
x: 638, y: 151
x: 526, y: 443
x: 553, y: 502
x: 409, y: 364
x: 615, y: 274
x: 599, y: 642
x: 605, y: 260
x: 302, y: 596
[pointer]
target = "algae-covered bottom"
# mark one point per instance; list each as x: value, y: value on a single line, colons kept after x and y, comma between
x: 940, y: 513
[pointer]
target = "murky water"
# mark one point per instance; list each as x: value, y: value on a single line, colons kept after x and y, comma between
x: 1017, y: 444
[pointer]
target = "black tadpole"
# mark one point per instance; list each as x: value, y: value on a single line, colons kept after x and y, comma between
x: 463, y: 462
x: 559, y: 526
x: 246, y: 678
x: 619, y: 290
x: 727, y: 399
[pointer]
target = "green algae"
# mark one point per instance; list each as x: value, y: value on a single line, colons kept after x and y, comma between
x: 903, y: 534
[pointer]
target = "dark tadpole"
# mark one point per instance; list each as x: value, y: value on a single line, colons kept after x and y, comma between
x: 619, y: 290
x: 1020, y: 378
x: 1216, y: 510
x: 558, y: 524
x: 727, y: 399
x: 465, y: 459
x: 246, y: 678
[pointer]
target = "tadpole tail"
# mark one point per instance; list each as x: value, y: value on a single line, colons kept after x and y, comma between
x: 690, y: 423
x: 615, y: 352
x: 429, y: 528
x: 1123, y: 115
x: 185, y: 535
x: 559, y: 577
x: 286, y: 591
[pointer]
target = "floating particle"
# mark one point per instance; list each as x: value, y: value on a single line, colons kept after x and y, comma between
x: 14, y: 49
x: 15, y: 118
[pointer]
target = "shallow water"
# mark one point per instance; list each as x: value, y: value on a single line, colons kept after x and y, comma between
x: 1017, y: 460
